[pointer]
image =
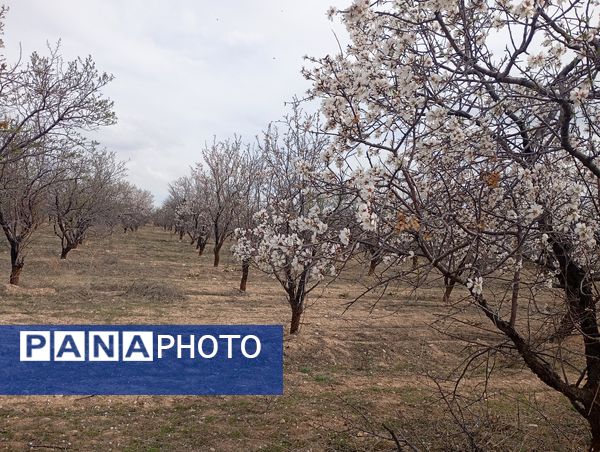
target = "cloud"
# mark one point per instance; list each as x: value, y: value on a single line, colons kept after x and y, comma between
x: 185, y: 70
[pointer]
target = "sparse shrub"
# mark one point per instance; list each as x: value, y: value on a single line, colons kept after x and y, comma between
x: 155, y: 291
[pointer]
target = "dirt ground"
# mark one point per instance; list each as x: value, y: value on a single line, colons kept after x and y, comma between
x: 351, y: 376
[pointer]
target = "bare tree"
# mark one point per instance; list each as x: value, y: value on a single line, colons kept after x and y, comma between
x: 221, y: 176
x: 180, y: 197
x: 50, y: 99
x: 84, y: 198
x: 24, y: 185
x: 135, y: 206
x: 164, y: 216
x: 191, y: 196
x: 45, y: 105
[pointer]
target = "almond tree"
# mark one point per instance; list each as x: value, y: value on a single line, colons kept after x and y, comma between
x: 49, y: 99
x: 222, y: 177
x: 84, y: 198
x: 45, y: 105
x: 244, y: 250
x: 24, y: 185
x: 134, y: 206
x: 180, y: 195
x: 293, y: 240
x: 192, y: 214
x: 252, y: 201
x: 164, y: 216
x: 220, y: 194
x: 478, y: 127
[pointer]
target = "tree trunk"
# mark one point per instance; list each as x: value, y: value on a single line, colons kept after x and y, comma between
x: 448, y: 291
x: 296, y: 295
x: 372, y: 267
x: 581, y: 302
x: 296, y: 317
x: 217, y: 252
x: 15, y: 274
x: 594, y: 421
x: 415, y: 268
x: 201, y: 245
x: 245, y: 269
x: 65, y: 251
x: 514, y: 302
x: 17, y: 263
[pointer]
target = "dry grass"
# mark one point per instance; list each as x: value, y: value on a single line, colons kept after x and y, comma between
x: 346, y: 374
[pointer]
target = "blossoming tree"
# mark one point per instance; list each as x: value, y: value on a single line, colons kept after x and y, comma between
x: 478, y: 127
x: 225, y: 175
x: 294, y: 240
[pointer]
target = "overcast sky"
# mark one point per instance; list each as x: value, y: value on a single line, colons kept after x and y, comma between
x: 185, y: 70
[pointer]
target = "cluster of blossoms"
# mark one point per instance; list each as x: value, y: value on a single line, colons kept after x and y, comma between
x: 366, y: 217
x: 525, y: 9
x: 458, y: 180
x: 287, y: 245
x: 345, y: 236
x: 243, y: 249
x: 580, y: 94
x: 475, y: 285
x: 585, y: 234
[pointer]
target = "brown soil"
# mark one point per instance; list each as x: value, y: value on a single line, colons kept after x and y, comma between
x: 347, y: 373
